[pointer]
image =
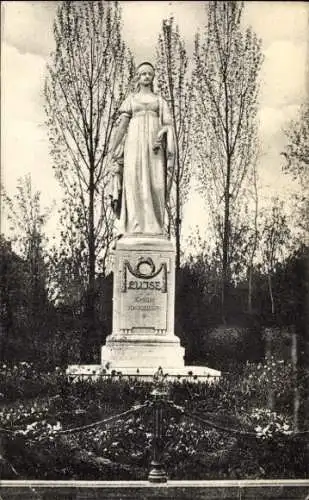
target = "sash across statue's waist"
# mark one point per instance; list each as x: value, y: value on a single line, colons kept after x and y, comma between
x: 145, y: 112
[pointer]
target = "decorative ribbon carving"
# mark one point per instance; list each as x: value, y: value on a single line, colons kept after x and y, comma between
x: 138, y: 273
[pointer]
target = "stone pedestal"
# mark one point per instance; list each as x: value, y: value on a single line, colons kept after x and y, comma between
x: 143, y: 336
x: 143, y: 306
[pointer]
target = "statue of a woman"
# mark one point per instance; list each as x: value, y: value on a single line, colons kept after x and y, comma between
x: 143, y: 156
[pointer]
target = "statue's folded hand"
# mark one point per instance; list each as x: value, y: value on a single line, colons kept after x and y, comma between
x: 158, y: 142
x: 161, y: 133
x: 157, y: 145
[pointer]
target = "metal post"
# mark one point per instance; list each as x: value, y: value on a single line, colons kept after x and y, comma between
x: 157, y: 473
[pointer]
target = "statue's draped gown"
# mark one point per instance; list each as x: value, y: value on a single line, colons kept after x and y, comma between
x: 143, y: 190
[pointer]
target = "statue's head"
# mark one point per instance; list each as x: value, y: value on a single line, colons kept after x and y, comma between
x: 145, y: 74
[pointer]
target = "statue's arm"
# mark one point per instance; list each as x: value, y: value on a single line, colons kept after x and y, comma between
x: 167, y: 131
x: 120, y: 132
x: 163, y: 130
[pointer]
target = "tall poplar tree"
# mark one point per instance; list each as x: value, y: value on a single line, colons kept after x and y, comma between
x: 227, y: 64
x: 173, y: 83
x: 296, y: 164
x: 86, y: 82
x: 27, y: 258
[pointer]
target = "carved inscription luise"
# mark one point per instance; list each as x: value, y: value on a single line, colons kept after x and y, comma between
x: 144, y: 296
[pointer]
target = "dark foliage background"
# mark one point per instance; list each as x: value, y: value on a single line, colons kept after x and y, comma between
x: 37, y: 407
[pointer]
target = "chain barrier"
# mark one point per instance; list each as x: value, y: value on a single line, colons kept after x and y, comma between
x: 159, y: 404
x: 150, y: 404
x: 207, y: 422
x: 210, y: 423
x: 134, y: 409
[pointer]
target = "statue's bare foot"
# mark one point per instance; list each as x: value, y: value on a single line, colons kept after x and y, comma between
x: 117, y: 237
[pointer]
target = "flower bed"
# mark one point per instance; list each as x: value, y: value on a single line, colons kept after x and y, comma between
x: 212, y: 431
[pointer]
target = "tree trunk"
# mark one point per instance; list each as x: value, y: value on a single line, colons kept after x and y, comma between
x: 250, y: 289
x: 178, y: 220
x: 268, y: 353
x: 89, y: 330
x: 268, y: 343
x: 270, y: 288
x: 176, y: 138
x: 296, y: 394
x: 255, y: 243
x: 226, y: 241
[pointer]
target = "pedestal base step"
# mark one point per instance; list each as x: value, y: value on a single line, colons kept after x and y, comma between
x: 188, y: 373
x: 146, y: 354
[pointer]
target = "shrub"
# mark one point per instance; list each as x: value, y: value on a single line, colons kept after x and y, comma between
x: 273, y: 378
x: 38, y: 406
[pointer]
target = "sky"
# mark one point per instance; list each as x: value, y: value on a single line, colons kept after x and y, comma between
x: 27, y: 41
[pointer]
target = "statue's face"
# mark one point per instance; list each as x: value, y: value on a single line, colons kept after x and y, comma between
x: 145, y: 74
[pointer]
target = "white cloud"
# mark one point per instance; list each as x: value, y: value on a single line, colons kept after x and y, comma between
x: 273, y: 121
x: 22, y: 84
x: 24, y: 139
x: 278, y: 20
x: 29, y: 25
x: 142, y: 23
x: 284, y: 74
